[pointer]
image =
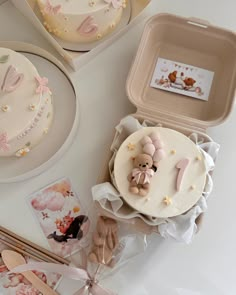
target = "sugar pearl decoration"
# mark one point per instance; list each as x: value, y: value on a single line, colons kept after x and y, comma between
x: 112, y: 25
x: 99, y: 36
x: 173, y: 152
x: 5, y: 108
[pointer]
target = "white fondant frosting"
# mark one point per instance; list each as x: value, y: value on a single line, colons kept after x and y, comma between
x: 163, y: 185
x: 81, y: 20
x: 23, y: 110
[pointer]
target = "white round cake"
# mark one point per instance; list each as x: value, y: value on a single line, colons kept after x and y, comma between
x: 26, y: 109
x: 160, y: 172
x: 81, y: 20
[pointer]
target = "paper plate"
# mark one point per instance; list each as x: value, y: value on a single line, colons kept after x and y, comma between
x: 65, y: 121
x: 81, y: 47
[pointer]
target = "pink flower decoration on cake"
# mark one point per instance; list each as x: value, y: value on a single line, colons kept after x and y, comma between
x: 4, y: 146
x: 42, y: 85
x: 12, y: 79
x: 53, y: 10
x: 88, y: 27
x: 115, y: 3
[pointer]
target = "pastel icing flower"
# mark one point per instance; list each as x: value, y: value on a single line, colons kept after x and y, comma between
x: 4, y: 146
x: 22, y: 152
x: 5, y: 108
x: 115, y: 3
x: 50, y: 9
x: 42, y: 85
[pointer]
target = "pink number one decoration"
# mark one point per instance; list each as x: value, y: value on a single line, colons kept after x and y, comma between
x: 181, y: 165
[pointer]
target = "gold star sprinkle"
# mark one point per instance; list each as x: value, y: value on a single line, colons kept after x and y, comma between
x: 167, y: 201
x: 131, y: 147
x: 173, y: 152
x: 99, y: 36
x: 198, y: 158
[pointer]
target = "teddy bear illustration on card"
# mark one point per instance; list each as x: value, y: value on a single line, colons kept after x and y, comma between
x: 146, y: 164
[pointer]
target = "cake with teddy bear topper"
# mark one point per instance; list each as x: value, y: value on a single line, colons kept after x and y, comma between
x: 160, y: 172
x: 25, y: 105
x: 81, y: 20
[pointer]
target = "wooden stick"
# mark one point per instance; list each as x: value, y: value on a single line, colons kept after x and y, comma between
x: 32, y: 248
x: 20, y: 250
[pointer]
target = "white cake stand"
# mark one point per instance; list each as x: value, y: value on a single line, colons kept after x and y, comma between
x: 65, y: 121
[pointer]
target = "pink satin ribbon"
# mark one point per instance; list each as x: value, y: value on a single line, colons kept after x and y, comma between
x: 137, y: 173
x: 91, y: 284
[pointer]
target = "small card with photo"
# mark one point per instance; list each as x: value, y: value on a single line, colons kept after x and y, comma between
x: 182, y: 79
x: 59, y: 212
x: 16, y: 284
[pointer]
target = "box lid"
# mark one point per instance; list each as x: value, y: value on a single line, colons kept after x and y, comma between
x: 193, y: 42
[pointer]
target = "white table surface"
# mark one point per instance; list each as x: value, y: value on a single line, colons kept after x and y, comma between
x: 208, y: 265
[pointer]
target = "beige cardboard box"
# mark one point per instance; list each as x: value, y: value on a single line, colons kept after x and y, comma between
x: 189, y: 41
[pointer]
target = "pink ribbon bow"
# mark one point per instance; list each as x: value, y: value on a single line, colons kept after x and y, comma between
x: 137, y: 173
x: 91, y: 285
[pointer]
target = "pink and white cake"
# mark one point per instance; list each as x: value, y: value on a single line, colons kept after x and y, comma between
x: 81, y: 20
x: 160, y: 172
x: 25, y: 105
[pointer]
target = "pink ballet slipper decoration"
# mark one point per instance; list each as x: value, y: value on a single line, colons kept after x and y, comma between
x: 52, y: 10
x: 4, y: 146
x: 149, y: 149
x: 88, y: 27
x: 42, y: 85
x: 115, y: 3
x: 12, y: 79
x: 159, y: 155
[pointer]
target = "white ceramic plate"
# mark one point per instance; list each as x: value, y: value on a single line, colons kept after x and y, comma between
x: 62, y: 132
x: 81, y: 47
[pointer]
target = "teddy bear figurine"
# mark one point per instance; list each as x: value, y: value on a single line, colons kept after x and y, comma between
x: 141, y: 175
x: 106, y: 241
